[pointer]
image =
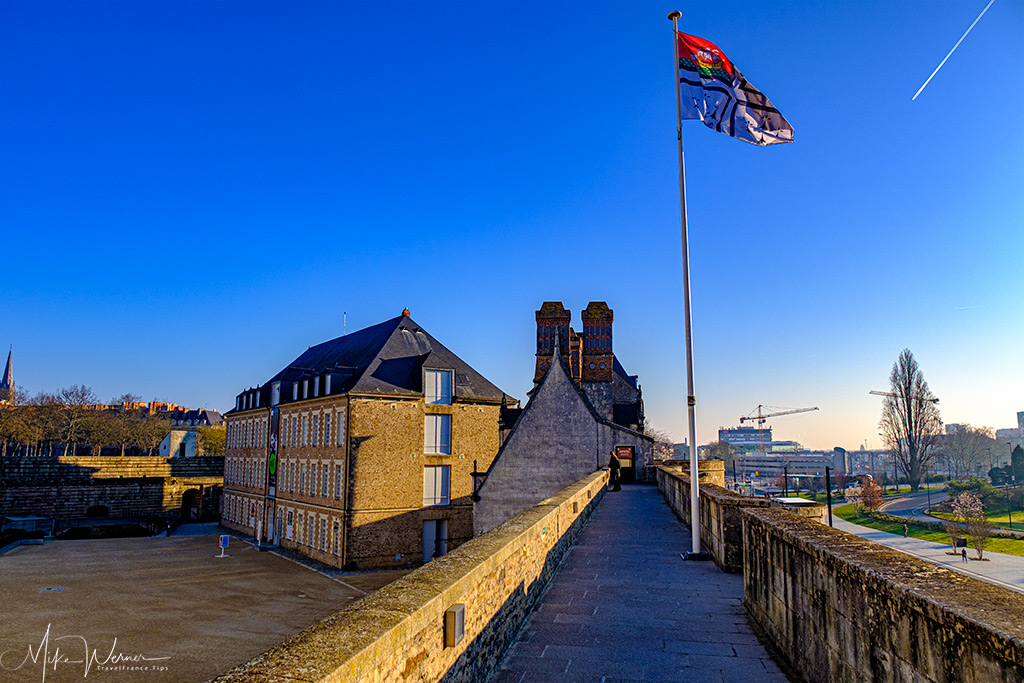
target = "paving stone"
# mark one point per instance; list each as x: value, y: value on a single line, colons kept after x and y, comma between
x: 624, y: 607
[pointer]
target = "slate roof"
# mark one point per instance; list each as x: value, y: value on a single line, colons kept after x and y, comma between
x: 617, y: 367
x: 387, y: 358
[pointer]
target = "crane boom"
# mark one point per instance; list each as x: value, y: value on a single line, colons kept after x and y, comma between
x: 762, y: 416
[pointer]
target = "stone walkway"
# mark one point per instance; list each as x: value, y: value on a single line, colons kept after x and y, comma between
x: 624, y: 607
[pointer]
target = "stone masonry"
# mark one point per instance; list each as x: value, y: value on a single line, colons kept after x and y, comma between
x: 66, y: 487
x: 557, y: 440
x: 842, y: 608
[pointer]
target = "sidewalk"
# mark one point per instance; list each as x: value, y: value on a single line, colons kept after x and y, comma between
x: 623, y: 606
x: 1003, y: 570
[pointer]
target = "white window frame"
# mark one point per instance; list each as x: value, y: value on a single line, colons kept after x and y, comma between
x: 437, y: 485
x: 437, y: 387
x: 337, y: 481
x: 437, y: 434
x: 323, y: 484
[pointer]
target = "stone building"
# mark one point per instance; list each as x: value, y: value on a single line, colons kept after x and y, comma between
x: 583, y: 407
x: 360, y: 452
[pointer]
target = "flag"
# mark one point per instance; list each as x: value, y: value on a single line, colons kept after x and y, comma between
x: 714, y: 91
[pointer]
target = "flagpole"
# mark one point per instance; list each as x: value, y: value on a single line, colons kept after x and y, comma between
x: 691, y: 401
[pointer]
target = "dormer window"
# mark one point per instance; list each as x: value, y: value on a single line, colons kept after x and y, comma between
x: 316, y: 385
x: 295, y: 391
x: 437, y: 387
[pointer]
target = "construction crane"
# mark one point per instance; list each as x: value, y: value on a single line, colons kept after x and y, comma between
x: 762, y: 416
x: 892, y: 395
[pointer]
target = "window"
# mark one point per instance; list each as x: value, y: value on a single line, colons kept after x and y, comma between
x: 311, y: 541
x: 436, y: 485
x: 305, y: 430
x: 337, y: 481
x: 295, y: 391
x: 295, y: 431
x: 437, y: 434
x: 302, y: 479
x: 284, y: 432
x: 341, y: 428
x: 337, y: 535
x: 437, y: 387
x: 327, y: 429
x: 323, y: 483
x: 291, y: 477
x: 316, y: 386
x: 323, y: 535
x: 316, y: 430
x: 312, y: 479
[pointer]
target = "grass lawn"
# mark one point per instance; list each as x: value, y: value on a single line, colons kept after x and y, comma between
x: 994, y: 545
x: 999, y: 518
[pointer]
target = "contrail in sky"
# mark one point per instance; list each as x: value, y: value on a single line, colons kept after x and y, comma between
x: 951, y: 51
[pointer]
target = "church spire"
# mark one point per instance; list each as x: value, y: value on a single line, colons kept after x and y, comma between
x: 7, y: 382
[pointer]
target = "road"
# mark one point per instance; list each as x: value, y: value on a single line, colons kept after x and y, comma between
x: 913, y: 505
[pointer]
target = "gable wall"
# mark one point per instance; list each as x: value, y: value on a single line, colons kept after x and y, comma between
x: 555, y: 444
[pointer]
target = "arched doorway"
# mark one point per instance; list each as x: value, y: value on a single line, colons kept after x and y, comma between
x: 192, y: 505
x: 97, y: 511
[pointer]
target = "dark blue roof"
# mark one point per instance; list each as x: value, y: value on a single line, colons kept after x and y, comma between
x: 387, y: 358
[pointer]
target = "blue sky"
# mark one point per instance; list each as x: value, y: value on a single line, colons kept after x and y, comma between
x: 193, y: 192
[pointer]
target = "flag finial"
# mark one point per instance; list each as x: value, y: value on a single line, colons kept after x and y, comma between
x: 675, y: 14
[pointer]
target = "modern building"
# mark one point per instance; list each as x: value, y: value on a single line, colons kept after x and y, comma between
x: 583, y: 407
x: 803, y: 465
x: 360, y: 453
x: 745, y: 438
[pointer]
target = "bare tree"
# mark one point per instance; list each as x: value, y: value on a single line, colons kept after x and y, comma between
x: 966, y: 449
x: 76, y: 401
x: 910, y: 419
x: 126, y: 422
x: 210, y: 441
x: 663, y: 445
x: 721, y: 450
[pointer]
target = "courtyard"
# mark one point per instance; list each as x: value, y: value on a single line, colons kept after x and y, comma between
x: 155, y: 609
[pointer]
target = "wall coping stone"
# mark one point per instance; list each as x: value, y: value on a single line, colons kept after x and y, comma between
x: 332, y: 649
x: 940, y: 592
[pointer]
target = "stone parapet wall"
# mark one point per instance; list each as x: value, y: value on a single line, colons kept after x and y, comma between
x: 841, y: 608
x: 60, y: 470
x: 129, y: 487
x: 397, y: 633
x: 721, y: 524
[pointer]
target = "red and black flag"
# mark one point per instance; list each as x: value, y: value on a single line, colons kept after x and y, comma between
x: 714, y: 91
